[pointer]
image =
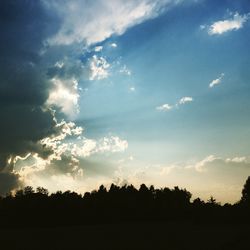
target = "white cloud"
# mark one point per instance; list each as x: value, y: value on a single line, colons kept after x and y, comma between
x: 185, y: 99
x: 200, y: 166
x: 216, y: 81
x: 98, y: 48
x: 238, y: 159
x: 132, y: 89
x: 87, y: 147
x: 112, y: 144
x: 235, y: 23
x: 81, y: 19
x: 68, y: 147
x: 164, y: 107
x: 221, y: 177
x: 114, y: 45
x: 98, y: 68
x: 64, y: 94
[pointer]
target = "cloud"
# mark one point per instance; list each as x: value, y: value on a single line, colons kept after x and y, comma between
x: 185, y: 99
x: 112, y: 144
x: 88, y: 147
x: 23, y: 84
x: 98, y: 48
x: 201, y: 165
x: 235, y: 23
x: 98, y: 68
x: 164, y: 107
x: 220, y: 177
x: 64, y: 94
x: 132, y: 89
x: 45, y: 60
x: 238, y: 159
x: 114, y: 45
x: 68, y: 151
x: 124, y: 70
x: 64, y: 78
x: 81, y: 19
x: 8, y: 181
x: 216, y: 81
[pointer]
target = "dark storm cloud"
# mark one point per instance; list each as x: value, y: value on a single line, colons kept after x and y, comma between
x: 8, y: 181
x: 24, y: 28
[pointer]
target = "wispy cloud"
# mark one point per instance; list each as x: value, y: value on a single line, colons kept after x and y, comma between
x: 234, y: 23
x: 216, y: 81
x: 81, y: 22
x: 212, y: 175
x: 124, y: 70
x: 166, y: 107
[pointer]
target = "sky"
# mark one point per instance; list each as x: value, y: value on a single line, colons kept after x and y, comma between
x: 125, y: 92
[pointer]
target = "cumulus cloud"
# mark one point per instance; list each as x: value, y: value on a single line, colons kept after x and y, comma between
x: 64, y: 94
x: 68, y: 148
x: 234, y: 23
x: 216, y: 81
x: 65, y: 75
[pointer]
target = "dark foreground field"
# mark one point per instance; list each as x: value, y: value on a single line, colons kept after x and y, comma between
x: 150, y: 235
x: 122, y: 218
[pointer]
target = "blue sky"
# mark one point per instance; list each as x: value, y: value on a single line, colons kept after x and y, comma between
x: 142, y: 91
x: 170, y: 57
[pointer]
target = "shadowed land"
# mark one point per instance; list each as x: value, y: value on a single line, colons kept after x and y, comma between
x: 122, y: 218
x: 144, y: 235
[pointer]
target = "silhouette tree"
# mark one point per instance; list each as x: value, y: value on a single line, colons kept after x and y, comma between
x: 43, y: 191
x: 212, y: 203
x: 28, y: 190
x: 119, y: 203
x: 198, y: 202
x: 19, y: 193
x: 245, y: 198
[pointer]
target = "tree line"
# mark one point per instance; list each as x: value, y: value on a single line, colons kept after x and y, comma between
x: 29, y: 207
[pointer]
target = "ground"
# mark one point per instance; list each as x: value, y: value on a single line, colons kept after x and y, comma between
x: 170, y: 236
